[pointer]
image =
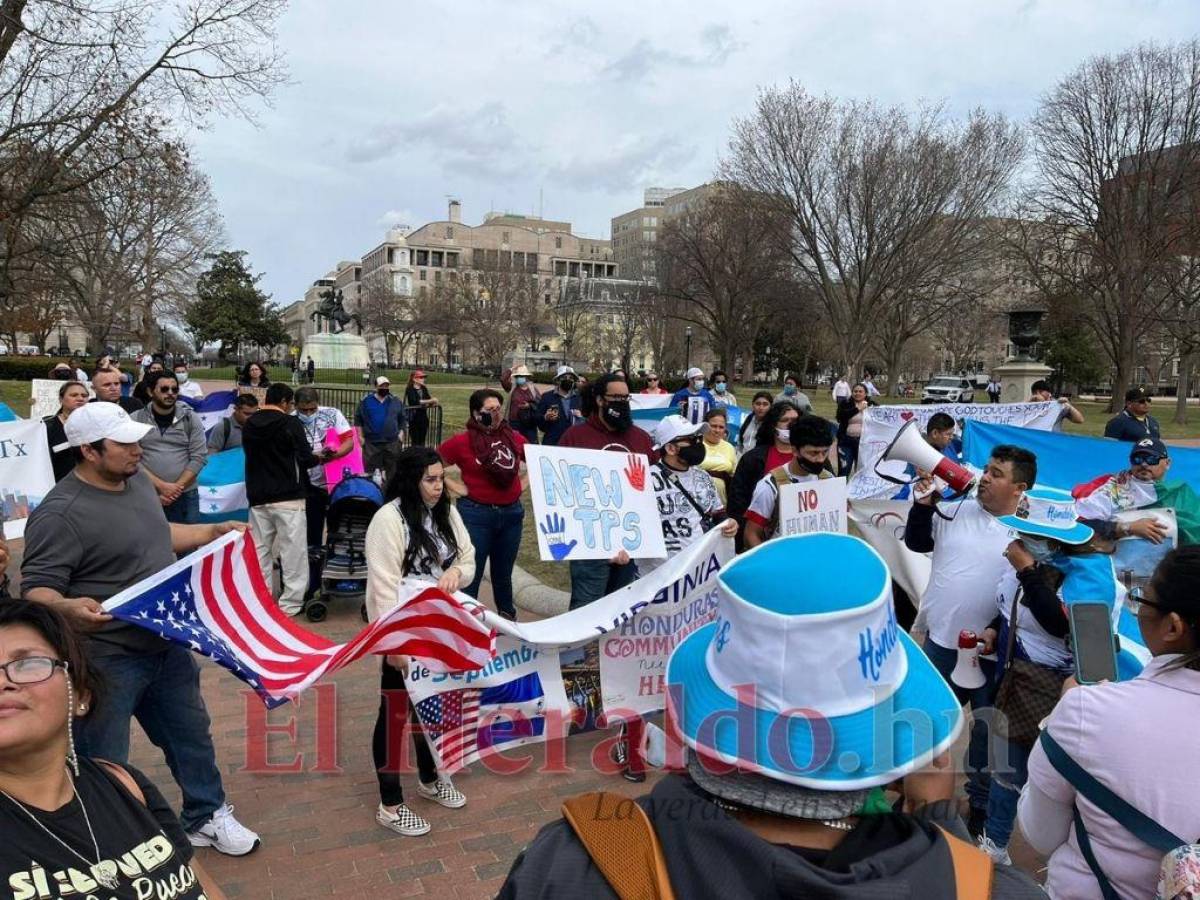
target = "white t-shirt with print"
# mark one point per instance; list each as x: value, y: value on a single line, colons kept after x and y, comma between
x: 326, y: 417
x: 968, y: 562
x: 681, y: 520
x: 766, y: 497
x: 1038, y: 644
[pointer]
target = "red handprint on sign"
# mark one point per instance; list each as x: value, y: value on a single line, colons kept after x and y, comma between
x: 635, y: 471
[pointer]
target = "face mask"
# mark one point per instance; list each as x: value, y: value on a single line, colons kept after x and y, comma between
x: 1039, y: 550
x: 566, y: 384
x: 783, y: 435
x: 521, y: 380
x: 698, y: 383
x: 812, y: 468
x: 383, y: 391
x: 617, y: 414
x: 720, y: 386
x: 181, y: 377
x: 789, y: 389
x: 692, y: 454
x: 486, y: 419
x: 306, y: 418
x: 62, y: 376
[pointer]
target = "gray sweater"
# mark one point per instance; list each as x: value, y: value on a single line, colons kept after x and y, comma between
x: 179, y: 448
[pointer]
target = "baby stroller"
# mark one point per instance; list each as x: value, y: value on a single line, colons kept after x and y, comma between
x: 344, y: 569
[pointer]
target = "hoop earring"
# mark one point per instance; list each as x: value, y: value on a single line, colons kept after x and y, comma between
x: 72, y: 756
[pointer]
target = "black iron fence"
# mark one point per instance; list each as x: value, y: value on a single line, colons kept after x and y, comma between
x: 347, y: 400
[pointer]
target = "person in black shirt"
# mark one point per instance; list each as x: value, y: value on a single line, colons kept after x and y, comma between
x: 1134, y: 422
x: 75, y: 825
x: 71, y: 395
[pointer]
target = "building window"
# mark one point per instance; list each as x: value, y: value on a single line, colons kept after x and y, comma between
x: 504, y: 237
x: 645, y: 236
x: 449, y: 232
x: 492, y: 257
x: 531, y: 262
x: 422, y: 275
x: 437, y: 276
x: 423, y: 290
x: 435, y: 258
x: 560, y: 267
x: 451, y: 260
x: 546, y: 297
x: 391, y: 253
x: 403, y: 260
x: 558, y: 243
x: 506, y: 259
x: 422, y: 257
x: 478, y: 257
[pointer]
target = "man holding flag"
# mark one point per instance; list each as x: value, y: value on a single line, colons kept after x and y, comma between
x: 100, y: 530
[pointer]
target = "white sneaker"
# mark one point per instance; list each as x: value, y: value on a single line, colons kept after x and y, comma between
x: 402, y: 821
x: 224, y: 834
x: 444, y: 792
x: 998, y: 854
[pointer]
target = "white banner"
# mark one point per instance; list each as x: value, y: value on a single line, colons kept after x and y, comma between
x: 25, y: 472
x: 881, y: 524
x: 633, y: 657
x: 508, y: 703
x: 591, y: 504
x: 882, y: 422
x: 45, y: 397
x: 813, y: 506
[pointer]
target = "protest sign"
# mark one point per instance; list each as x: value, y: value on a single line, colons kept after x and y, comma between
x: 45, y: 397
x: 591, y: 504
x: 350, y: 464
x: 25, y: 472
x: 813, y: 506
x: 881, y: 423
x: 507, y: 703
x: 633, y: 656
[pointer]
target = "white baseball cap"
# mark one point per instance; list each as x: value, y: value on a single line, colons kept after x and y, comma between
x: 564, y: 370
x: 694, y: 372
x: 672, y: 428
x: 100, y: 420
x: 381, y: 381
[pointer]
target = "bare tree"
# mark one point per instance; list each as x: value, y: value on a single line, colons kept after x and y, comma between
x: 723, y: 270
x: 396, y: 317
x: 1118, y: 165
x: 882, y: 206
x: 573, y: 319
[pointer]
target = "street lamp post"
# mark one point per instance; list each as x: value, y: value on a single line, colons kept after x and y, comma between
x: 687, y: 333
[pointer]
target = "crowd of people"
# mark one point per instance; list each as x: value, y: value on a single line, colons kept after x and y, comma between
x: 1005, y: 563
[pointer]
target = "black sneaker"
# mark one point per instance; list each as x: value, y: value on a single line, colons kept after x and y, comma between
x: 975, y: 822
x: 629, y: 775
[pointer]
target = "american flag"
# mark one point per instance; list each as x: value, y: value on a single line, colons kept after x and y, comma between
x: 511, y: 711
x: 216, y: 602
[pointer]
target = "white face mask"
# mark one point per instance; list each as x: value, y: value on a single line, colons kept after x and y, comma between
x: 783, y: 435
x: 181, y: 377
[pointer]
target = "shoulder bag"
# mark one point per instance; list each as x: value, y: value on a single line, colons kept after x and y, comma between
x: 1028, y: 692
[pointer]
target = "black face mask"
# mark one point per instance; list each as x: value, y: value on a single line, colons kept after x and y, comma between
x: 486, y: 419
x: 383, y: 392
x: 617, y: 414
x: 812, y: 468
x: 692, y: 454
x: 63, y: 376
x: 567, y: 384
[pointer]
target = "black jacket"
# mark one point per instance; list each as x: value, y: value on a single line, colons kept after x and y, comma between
x: 750, y: 470
x: 846, y: 410
x: 278, y: 457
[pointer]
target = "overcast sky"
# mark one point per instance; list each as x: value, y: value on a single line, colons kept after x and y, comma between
x: 394, y: 105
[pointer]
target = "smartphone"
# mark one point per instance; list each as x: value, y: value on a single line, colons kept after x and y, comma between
x: 1092, y: 642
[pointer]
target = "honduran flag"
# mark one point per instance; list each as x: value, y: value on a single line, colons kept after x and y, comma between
x: 212, y: 408
x: 215, y: 602
x: 222, y: 487
x: 650, y: 409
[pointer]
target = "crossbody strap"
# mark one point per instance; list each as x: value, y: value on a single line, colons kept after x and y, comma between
x: 621, y: 841
x: 1012, y: 629
x: 679, y: 484
x: 973, y: 869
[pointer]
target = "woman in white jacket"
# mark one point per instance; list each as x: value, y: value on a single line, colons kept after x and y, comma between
x: 417, y: 535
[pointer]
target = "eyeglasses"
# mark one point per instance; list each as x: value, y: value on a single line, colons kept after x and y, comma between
x: 31, y: 669
x: 652, y: 379
x: 1146, y: 459
x: 1136, y: 599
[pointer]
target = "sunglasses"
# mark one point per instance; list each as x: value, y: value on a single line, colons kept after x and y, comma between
x: 168, y: 390
x: 1146, y: 459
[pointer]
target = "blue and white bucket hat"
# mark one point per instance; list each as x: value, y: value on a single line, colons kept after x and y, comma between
x: 1048, y: 512
x: 809, y: 680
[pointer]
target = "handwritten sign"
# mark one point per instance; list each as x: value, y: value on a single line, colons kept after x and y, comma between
x: 25, y: 473
x: 592, y: 504
x: 45, y: 397
x: 813, y: 506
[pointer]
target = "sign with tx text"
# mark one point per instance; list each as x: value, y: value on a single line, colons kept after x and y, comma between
x: 813, y: 506
x: 45, y: 397
x: 25, y: 473
x: 592, y: 504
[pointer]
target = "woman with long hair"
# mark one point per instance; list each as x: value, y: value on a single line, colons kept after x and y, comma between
x: 417, y: 536
x: 71, y: 396
x: 489, y: 456
x: 254, y: 375
x: 748, y: 433
x: 418, y: 400
x: 851, y: 416
x: 772, y: 449
x: 1137, y: 741
x: 63, y: 813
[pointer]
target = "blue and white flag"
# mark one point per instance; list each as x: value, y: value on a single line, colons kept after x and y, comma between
x: 222, y: 486
x: 650, y: 409
x: 212, y: 408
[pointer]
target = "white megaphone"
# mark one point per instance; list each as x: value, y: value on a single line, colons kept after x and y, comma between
x: 967, y: 673
x: 909, y: 446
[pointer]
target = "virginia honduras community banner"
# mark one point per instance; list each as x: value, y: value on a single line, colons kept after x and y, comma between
x: 591, y: 504
x: 26, y: 475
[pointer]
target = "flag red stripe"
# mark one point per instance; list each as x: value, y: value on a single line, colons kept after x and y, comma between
x: 263, y: 594
x: 382, y: 639
x: 258, y: 612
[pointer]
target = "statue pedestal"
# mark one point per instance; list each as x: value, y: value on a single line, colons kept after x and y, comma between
x: 336, y: 351
x: 1017, y: 377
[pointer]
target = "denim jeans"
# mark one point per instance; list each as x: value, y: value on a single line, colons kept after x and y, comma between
x: 162, y: 690
x: 592, y: 579
x: 496, y: 535
x: 1010, y: 771
x: 185, y: 510
x: 980, y: 701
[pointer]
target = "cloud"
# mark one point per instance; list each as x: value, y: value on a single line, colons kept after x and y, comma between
x: 396, y: 217
x: 627, y: 162
x: 478, y: 140
x: 717, y: 44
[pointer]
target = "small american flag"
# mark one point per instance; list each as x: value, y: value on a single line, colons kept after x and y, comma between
x: 216, y: 602
x: 511, y: 711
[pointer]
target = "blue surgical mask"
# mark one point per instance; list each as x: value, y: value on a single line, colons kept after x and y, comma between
x: 1041, y: 551
x: 720, y: 386
x: 789, y: 389
x: 698, y: 383
x: 521, y: 380
x: 306, y: 419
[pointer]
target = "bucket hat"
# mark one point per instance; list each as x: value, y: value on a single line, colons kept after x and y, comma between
x: 1048, y: 512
